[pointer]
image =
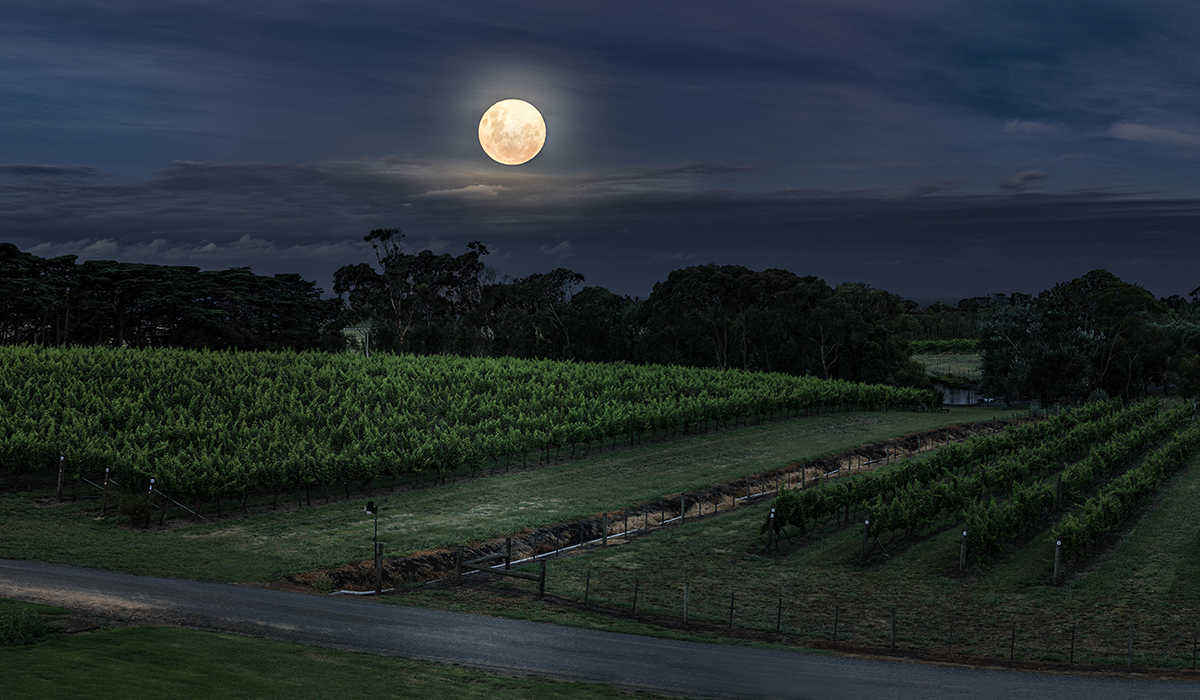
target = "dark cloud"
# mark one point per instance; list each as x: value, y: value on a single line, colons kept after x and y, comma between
x: 621, y: 228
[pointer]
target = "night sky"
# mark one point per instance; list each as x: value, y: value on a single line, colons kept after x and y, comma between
x: 933, y: 149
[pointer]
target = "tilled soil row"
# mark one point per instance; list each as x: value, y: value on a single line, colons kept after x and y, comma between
x: 638, y: 520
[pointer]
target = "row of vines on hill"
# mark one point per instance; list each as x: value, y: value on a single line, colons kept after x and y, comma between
x: 996, y: 521
x: 1110, y: 507
x: 206, y: 423
x: 1001, y: 485
x: 797, y: 507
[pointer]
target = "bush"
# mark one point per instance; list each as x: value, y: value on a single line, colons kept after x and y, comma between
x: 19, y: 626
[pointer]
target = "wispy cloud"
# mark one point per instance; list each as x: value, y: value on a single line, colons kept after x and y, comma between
x: 1155, y: 134
x: 1021, y: 180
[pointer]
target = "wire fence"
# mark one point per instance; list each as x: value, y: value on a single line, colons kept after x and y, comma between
x: 815, y: 619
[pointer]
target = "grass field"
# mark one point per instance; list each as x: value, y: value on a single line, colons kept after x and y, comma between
x: 951, y: 365
x: 1147, y: 579
x: 293, y: 540
x: 180, y: 663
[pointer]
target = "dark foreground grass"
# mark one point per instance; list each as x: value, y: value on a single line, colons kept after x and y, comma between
x: 162, y: 662
x: 1146, y: 581
x: 295, y: 540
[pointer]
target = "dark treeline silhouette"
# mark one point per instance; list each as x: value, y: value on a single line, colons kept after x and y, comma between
x: 705, y: 316
x: 58, y: 302
x: 1095, y: 333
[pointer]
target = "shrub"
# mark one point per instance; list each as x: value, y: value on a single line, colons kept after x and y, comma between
x: 20, y: 626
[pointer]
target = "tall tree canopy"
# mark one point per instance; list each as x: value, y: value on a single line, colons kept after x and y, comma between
x: 102, y: 302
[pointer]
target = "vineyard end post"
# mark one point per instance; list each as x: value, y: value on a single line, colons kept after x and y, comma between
x: 378, y: 568
x: 866, y: 539
x: 61, y: 469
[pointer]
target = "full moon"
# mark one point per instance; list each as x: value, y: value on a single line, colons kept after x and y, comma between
x: 512, y: 132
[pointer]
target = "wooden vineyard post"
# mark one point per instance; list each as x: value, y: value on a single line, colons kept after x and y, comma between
x: 731, y: 593
x: 636, y: 584
x: 1057, y: 560
x: 104, y: 495
x: 770, y: 528
x: 866, y: 539
x: 507, y: 553
x: 542, y: 581
x: 682, y: 510
x: 962, y: 553
x: 378, y: 568
x: 1012, y: 645
x: 587, y: 587
x: 458, y: 565
x: 837, y: 608
x: 779, y: 616
x: 61, y: 469
x: 149, y: 501
x: 604, y: 541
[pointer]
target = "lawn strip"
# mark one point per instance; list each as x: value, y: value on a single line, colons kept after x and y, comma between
x: 183, y: 664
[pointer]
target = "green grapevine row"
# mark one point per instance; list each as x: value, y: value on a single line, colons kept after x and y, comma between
x: 206, y: 423
x: 918, y: 505
x: 989, y: 525
x: 1109, y: 508
x: 796, y: 506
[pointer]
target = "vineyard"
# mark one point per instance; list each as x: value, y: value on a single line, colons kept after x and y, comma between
x: 1000, y: 486
x: 205, y: 424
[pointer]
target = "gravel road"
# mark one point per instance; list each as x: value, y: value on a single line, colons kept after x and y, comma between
x: 517, y: 647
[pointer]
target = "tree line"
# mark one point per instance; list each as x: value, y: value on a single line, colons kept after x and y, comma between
x: 56, y: 301
x: 1092, y: 335
x: 722, y: 316
x: 1095, y: 333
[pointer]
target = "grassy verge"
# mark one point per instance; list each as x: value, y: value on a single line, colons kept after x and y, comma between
x: 1146, y: 582
x: 293, y: 540
x: 180, y: 663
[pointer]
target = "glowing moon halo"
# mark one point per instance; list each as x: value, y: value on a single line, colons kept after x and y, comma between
x: 512, y: 132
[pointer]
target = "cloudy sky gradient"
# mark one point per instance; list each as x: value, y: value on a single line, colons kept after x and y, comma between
x: 934, y: 149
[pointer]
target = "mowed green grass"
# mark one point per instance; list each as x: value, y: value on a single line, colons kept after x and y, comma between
x: 163, y: 662
x: 966, y: 366
x: 294, y: 540
x: 1148, y: 579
